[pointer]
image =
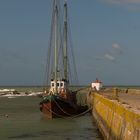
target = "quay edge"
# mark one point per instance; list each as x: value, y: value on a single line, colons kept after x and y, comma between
x: 115, y: 120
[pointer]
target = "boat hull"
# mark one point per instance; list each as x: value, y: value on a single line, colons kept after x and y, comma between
x: 59, y: 108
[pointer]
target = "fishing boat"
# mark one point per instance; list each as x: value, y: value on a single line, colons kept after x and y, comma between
x: 59, y: 100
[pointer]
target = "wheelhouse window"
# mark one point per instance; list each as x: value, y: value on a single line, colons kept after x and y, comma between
x: 61, y: 84
x: 52, y: 84
x: 57, y: 84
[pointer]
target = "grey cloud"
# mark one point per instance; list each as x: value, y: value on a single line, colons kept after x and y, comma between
x: 116, y: 46
x: 116, y: 49
x: 109, y: 57
x: 112, y: 54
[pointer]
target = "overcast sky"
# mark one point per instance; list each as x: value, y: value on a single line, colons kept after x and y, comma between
x: 105, y: 34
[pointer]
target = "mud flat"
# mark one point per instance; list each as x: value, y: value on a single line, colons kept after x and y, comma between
x: 117, y: 113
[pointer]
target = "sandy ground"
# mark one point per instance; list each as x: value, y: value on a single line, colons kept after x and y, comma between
x: 132, y: 100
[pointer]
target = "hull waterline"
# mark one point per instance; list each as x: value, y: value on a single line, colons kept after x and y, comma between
x: 59, y: 108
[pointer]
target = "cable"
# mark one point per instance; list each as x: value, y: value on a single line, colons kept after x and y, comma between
x: 71, y: 115
x: 61, y: 108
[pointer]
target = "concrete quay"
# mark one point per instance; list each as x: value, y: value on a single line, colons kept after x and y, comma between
x: 117, y: 113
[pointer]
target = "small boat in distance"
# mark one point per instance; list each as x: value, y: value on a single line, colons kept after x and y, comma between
x: 59, y: 100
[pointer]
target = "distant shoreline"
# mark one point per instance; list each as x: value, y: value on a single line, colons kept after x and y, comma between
x: 41, y: 86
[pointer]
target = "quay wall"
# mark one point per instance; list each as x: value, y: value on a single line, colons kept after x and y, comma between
x: 115, y: 120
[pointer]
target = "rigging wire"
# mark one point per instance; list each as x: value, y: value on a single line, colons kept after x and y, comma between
x: 73, y: 55
x: 72, y: 71
x: 50, y: 56
x: 49, y: 53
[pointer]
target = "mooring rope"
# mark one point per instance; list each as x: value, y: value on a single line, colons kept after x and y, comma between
x: 80, y: 114
x: 54, y: 112
x: 70, y: 115
x: 83, y: 113
x: 61, y: 108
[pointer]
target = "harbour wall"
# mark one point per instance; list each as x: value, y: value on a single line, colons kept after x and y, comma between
x: 115, y: 120
x: 123, y: 90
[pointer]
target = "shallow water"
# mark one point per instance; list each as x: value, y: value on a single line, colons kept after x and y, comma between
x: 20, y: 119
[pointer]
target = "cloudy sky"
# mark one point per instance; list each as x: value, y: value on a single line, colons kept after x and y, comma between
x: 105, y: 34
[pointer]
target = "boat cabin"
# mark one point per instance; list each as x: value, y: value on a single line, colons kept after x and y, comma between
x: 61, y: 85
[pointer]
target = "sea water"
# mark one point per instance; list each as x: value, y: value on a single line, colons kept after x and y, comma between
x: 20, y: 119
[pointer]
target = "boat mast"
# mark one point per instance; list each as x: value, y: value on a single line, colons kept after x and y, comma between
x: 65, y: 43
x: 55, y: 43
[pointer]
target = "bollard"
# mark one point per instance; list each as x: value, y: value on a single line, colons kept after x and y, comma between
x: 115, y: 94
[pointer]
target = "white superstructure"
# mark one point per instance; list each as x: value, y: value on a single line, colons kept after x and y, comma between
x: 61, y: 85
x: 96, y: 85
